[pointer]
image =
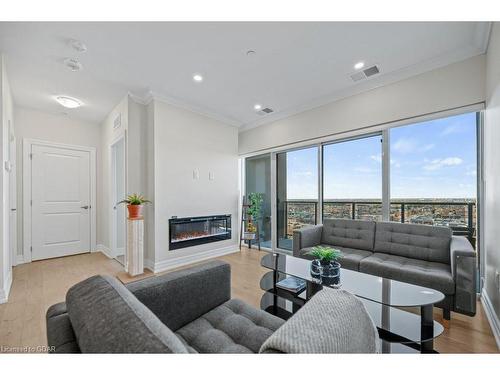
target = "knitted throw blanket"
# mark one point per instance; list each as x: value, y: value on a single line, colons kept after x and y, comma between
x: 333, y: 321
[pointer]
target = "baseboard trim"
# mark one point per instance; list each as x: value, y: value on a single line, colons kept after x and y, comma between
x: 169, y: 264
x: 20, y: 259
x: 105, y: 250
x: 491, y: 315
x: 5, y: 291
x: 149, y: 264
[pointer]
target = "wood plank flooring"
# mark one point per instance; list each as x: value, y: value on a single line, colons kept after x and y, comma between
x: 40, y: 284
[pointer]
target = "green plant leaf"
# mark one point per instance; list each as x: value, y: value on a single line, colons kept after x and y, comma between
x: 135, y: 199
x: 325, y: 253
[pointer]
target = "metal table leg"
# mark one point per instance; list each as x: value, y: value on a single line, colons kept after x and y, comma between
x: 426, y: 329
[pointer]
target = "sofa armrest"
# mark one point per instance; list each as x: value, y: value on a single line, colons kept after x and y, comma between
x: 464, y: 271
x: 306, y: 237
x: 180, y: 297
x: 332, y: 321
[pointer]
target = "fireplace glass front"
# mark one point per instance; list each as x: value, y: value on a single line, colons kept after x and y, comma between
x: 192, y: 231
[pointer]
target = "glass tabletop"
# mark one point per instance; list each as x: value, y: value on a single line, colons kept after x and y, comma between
x: 378, y: 289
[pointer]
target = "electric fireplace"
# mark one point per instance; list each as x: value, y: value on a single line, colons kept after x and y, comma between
x: 191, y: 231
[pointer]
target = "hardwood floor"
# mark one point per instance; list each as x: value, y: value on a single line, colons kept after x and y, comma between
x: 40, y: 284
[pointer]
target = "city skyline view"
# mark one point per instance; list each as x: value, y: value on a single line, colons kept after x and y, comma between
x: 433, y: 159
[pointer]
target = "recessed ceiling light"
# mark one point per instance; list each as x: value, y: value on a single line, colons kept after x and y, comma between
x: 197, y: 78
x: 78, y: 45
x: 73, y: 64
x: 250, y: 52
x: 257, y: 107
x: 68, y: 102
x: 359, y: 65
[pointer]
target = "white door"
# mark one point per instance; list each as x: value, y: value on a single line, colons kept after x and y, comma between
x: 60, y: 192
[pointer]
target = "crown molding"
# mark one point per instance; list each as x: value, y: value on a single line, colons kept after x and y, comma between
x: 482, y: 36
x: 371, y: 84
x: 151, y: 95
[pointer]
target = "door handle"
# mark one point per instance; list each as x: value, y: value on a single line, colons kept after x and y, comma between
x: 85, y: 207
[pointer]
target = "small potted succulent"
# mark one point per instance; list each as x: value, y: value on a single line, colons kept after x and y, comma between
x: 325, y: 264
x: 135, y: 203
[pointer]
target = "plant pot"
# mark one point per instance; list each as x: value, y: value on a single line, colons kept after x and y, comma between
x: 135, y: 211
x: 330, y: 273
x: 316, y: 268
x: 249, y: 235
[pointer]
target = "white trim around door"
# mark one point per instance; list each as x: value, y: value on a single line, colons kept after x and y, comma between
x: 27, y: 173
x: 122, y: 137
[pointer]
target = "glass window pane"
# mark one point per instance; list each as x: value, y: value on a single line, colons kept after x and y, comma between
x: 258, y: 180
x: 434, y: 173
x: 297, y: 192
x: 352, y: 179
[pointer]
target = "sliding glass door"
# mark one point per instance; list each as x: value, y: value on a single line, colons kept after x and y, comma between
x: 434, y: 173
x: 296, y: 192
x: 425, y: 173
x: 258, y: 180
x: 352, y: 179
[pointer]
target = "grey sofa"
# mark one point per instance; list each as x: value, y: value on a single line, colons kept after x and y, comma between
x: 424, y: 255
x: 191, y: 311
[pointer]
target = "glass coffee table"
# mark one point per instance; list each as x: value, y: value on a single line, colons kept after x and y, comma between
x: 387, y: 301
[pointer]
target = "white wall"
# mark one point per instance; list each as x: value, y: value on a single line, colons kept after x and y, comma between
x: 55, y: 128
x: 6, y: 118
x: 109, y: 135
x: 185, y: 141
x: 119, y: 194
x: 492, y: 177
x: 133, y: 126
x: 449, y: 87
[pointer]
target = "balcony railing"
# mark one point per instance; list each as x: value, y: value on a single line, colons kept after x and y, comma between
x: 459, y: 216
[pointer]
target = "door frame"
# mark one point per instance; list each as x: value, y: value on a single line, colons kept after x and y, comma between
x: 112, y: 212
x: 27, y: 143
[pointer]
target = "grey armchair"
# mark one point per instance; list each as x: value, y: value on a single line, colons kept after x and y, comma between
x: 191, y: 311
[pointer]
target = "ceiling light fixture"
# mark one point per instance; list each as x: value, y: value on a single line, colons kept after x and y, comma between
x: 68, y: 102
x: 257, y: 107
x: 359, y: 65
x: 73, y: 64
x: 197, y: 78
x: 78, y: 45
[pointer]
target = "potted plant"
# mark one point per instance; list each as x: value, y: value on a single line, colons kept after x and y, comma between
x: 135, y: 202
x: 326, y: 264
x: 253, y: 214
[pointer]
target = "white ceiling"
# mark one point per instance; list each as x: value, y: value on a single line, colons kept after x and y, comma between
x: 296, y: 66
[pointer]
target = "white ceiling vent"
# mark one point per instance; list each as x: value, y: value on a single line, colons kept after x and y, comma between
x: 368, y: 72
x: 265, y: 111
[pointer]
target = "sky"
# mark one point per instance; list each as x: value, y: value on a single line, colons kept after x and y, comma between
x: 433, y: 159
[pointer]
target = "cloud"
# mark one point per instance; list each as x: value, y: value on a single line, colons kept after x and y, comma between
x: 407, y: 146
x: 365, y: 170
x: 404, y: 145
x: 439, y: 163
x: 428, y: 147
x: 453, y: 129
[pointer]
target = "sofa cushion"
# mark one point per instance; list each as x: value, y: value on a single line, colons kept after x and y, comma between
x: 350, y: 259
x: 233, y: 327
x: 414, y: 271
x: 425, y: 242
x: 107, y: 318
x: 355, y: 234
